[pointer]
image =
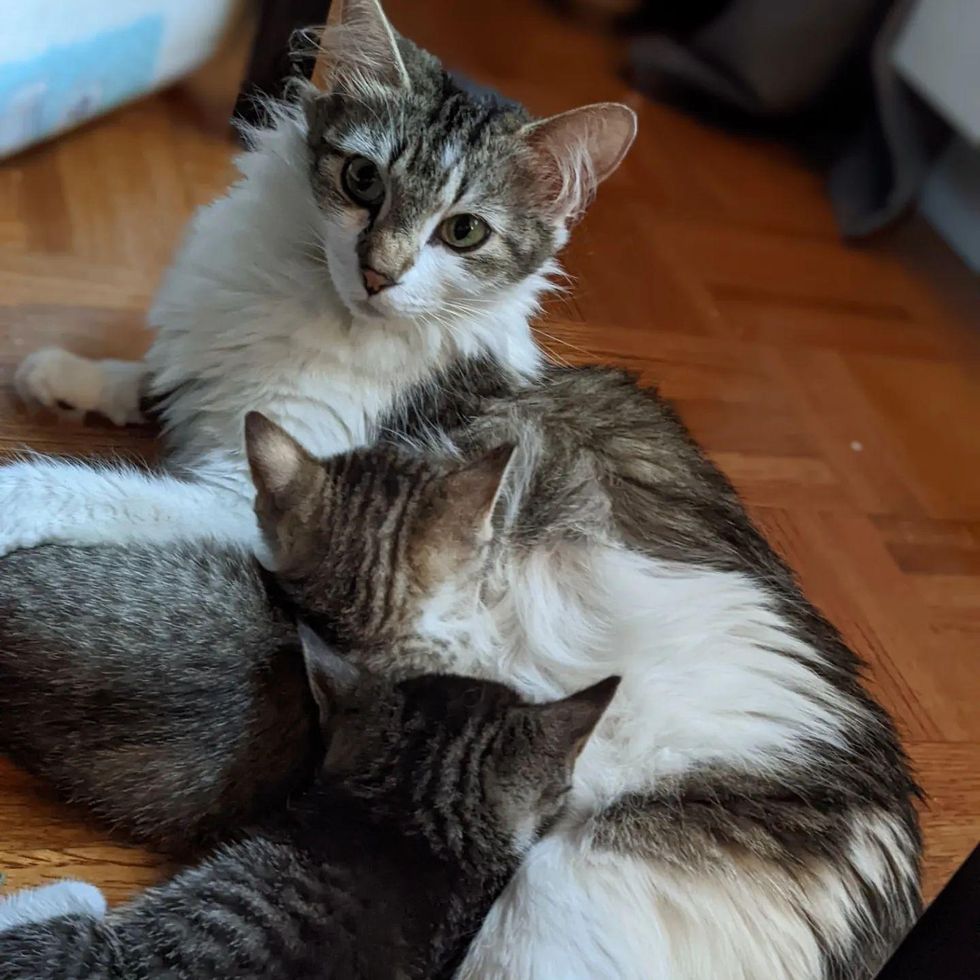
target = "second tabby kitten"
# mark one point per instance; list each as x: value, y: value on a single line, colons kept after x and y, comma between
x: 163, y: 688
x: 432, y: 790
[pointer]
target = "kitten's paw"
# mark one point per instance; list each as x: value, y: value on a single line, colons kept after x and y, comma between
x: 50, y: 902
x: 59, y: 380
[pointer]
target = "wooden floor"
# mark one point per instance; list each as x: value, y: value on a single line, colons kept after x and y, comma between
x: 836, y: 385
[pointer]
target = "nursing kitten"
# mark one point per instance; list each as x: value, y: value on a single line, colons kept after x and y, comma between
x: 431, y: 792
x: 163, y: 688
x: 748, y: 804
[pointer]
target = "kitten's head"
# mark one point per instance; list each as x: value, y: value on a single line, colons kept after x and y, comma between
x: 375, y: 546
x: 438, y: 205
x: 466, y: 763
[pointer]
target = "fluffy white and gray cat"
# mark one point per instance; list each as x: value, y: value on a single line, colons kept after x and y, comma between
x: 748, y: 811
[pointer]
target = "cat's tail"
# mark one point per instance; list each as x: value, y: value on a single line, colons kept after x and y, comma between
x: 56, y: 932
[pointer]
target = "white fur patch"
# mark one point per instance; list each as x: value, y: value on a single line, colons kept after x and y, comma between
x: 572, y: 913
x: 45, y: 501
x: 710, y: 673
x: 51, y: 902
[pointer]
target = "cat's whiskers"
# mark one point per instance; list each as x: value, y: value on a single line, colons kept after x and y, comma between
x: 554, y: 356
x: 554, y: 338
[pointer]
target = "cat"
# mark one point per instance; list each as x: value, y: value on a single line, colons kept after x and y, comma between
x: 748, y: 804
x: 431, y: 792
x: 163, y: 687
x: 334, y: 276
x: 744, y: 777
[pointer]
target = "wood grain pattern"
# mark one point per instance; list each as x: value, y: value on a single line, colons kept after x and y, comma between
x: 836, y: 385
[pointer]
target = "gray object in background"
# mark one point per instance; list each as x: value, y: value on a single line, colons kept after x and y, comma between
x: 778, y: 61
x: 938, y: 53
x: 950, y: 200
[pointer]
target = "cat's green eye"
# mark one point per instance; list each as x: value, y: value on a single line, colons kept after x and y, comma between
x: 464, y: 232
x: 362, y: 181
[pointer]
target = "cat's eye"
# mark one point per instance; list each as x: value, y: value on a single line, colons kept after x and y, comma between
x: 362, y: 181
x: 464, y: 232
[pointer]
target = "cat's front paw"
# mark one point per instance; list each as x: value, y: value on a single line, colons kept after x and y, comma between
x: 50, y: 902
x: 59, y: 380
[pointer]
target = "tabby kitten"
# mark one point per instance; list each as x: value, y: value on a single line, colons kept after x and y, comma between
x: 163, y: 688
x: 431, y: 792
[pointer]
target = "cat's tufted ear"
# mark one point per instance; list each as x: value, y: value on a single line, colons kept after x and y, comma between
x: 566, y: 725
x: 331, y: 677
x: 358, y: 50
x: 474, y: 492
x: 576, y: 150
x: 276, y: 459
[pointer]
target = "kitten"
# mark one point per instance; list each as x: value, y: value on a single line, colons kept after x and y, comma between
x: 749, y: 787
x: 163, y: 688
x: 431, y: 792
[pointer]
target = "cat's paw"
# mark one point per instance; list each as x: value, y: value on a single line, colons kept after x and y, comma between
x: 59, y: 380
x: 50, y: 902
x: 71, y: 385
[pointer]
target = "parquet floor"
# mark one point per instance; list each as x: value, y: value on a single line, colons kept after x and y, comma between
x: 836, y: 385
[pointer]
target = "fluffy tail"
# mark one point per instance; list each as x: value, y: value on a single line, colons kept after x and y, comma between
x: 577, y: 913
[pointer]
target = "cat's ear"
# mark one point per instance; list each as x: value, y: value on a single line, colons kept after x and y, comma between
x: 275, y: 458
x: 576, y: 150
x: 567, y: 724
x: 331, y: 677
x: 474, y: 491
x: 359, y: 49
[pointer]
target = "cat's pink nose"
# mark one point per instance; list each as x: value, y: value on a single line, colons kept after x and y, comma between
x: 375, y: 281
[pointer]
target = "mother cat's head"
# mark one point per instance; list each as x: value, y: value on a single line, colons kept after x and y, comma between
x: 436, y: 205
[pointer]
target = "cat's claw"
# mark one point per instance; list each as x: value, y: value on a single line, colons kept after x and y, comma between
x: 50, y: 902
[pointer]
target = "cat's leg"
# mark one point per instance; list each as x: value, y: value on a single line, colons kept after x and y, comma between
x: 73, y: 385
x: 50, y: 902
x: 51, y: 501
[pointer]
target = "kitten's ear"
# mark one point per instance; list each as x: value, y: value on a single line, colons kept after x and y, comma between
x: 331, y: 677
x: 275, y: 458
x: 576, y: 150
x: 474, y: 491
x: 359, y: 48
x: 569, y: 723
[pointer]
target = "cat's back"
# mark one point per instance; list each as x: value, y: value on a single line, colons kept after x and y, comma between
x: 599, y: 455
x: 316, y: 892
x: 137, y: 608
x: 161, y: 687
